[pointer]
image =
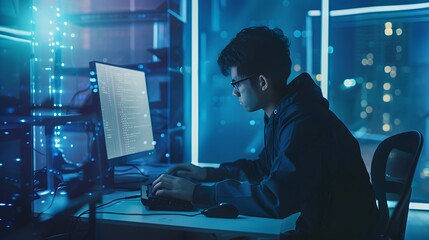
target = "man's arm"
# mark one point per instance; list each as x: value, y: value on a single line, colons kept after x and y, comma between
x: 175, y: 182
x: 295, y: 175
x: 241, y: 170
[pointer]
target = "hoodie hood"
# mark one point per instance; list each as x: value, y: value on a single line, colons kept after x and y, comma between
x: 302, y: 92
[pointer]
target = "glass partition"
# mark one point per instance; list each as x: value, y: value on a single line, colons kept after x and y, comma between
x: 377, y: 77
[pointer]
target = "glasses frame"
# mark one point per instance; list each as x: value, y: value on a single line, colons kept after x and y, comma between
x: 234, y: 84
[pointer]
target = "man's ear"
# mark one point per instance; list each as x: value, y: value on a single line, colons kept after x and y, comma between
x: 263, y: 82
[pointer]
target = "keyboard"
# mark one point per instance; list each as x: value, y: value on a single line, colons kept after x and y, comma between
x: 153, y: 202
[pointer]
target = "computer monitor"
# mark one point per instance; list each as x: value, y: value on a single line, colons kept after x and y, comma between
x: 121, y: 99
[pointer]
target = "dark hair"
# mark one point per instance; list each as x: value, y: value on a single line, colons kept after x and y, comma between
x: 258, y: 50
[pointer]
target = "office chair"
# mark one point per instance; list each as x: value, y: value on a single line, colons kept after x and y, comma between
x: 392, y: 171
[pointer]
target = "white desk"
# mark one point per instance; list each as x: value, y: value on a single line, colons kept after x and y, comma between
x: 254, y: 227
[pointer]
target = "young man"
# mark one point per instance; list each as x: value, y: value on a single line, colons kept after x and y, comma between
x: 311, y: 163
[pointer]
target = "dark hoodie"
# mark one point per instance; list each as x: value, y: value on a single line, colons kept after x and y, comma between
x: 311, y: 164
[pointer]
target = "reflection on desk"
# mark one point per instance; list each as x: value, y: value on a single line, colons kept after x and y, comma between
x: 131, y: 215
x: 52, y: 204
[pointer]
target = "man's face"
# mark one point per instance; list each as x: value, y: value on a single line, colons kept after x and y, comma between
x: 246, y: 91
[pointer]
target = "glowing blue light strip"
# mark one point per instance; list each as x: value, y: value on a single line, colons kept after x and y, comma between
x: 194, y: 84
x: 377, y: 9
x: 324, y: 48
x: 309, y: 42
x: 412, y: 205
x: 215, y: 19
x: 14, y: 38
x: 155, y: 40
x: 183, y: 10
x: 419, y: 206
x: 180, y: 18
x: 313, y: 13
x: 15, y: 31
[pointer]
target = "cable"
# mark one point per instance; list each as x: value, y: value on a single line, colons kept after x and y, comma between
x: 72, y: 105
x: 53, y: 198
x: 104, y: 204
x: 39, y: 152
x: 63, y: 234
x: 128, y: 174
x: 74, y: 226
x: 123, y: 173
x: 151, y: 214
x: 134, y: 214
x: 72, y: 101
x: 126, y: 214
x: 138, y: 169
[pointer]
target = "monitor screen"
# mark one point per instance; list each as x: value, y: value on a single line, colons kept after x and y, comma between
x: 124, y: 108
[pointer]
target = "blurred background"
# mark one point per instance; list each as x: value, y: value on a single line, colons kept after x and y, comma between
x: 375, y: 78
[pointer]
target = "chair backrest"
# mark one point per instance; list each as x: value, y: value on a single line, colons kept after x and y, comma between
x: 392, y: 172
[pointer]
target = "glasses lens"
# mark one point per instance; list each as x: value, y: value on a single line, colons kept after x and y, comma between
x: 235, y: 83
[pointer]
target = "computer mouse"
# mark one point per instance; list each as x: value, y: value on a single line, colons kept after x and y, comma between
x: 222, y: 210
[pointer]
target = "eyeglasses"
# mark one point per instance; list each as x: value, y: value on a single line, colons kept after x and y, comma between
x: 235, y: 84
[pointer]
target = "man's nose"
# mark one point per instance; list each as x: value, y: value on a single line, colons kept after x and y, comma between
x: 235, y: 93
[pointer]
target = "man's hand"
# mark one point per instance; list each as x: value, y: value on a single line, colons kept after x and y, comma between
x: 188, y: 170
x: 172, y: 186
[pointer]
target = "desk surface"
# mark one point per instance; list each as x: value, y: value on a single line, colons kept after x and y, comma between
x: 243, y: 225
